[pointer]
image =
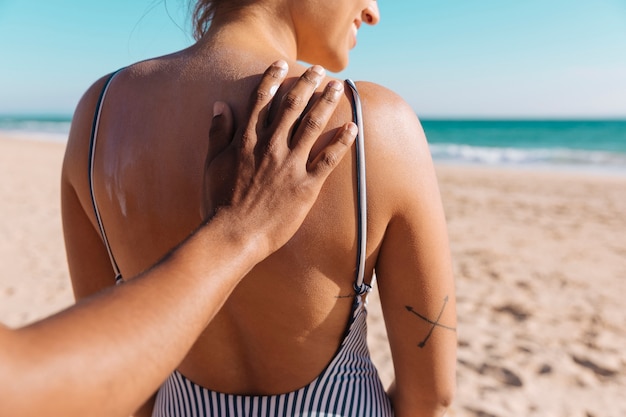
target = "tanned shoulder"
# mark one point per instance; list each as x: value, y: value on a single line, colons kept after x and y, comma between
x: 397, y: 152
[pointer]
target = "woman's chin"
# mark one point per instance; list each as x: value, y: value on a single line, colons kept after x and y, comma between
x: 338, y: 67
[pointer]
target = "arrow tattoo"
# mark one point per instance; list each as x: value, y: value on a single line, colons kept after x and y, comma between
x: 434, y: 323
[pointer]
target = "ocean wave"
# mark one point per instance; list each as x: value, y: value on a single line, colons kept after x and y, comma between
x: 46, y: 129
x: 35, y: 126
x: 526, y: 156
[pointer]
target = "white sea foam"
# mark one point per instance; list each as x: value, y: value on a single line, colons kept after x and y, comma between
x: 34, y: 129
x: 496, y: 156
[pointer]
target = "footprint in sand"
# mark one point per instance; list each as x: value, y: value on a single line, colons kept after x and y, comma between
x: 594, y: 367
x: 517, y: 312
x: 503, y: 375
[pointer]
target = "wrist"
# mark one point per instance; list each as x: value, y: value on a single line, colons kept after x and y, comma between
x: 233, y: 228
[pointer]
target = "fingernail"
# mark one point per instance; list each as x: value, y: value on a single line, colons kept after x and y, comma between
x: 218, y: 108
x: 282, y: 65
x: 352, y: 129
x: 319, y: 70
x: 335, y: 85
x: 273, y: 90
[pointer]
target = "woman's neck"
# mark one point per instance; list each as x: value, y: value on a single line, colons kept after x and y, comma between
x: 253, y: 28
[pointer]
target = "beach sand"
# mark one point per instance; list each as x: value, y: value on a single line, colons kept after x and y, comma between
x: 539, y: 259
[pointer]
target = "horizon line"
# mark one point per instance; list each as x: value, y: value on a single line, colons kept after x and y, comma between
x: 34, y: 115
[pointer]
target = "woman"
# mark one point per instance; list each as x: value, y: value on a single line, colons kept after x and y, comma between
x: 290, y: 338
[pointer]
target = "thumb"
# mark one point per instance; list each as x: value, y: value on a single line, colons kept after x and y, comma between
x: 221, y: 131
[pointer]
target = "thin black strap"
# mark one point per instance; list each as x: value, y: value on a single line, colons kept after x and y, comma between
x: 357, y: 114
x: 90, y: 171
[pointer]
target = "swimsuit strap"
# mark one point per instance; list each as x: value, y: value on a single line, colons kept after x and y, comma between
x: 357, y: 114
x: 90, y: 171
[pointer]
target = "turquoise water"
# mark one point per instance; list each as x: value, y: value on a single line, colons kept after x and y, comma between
x: 578, y: 144
x: 599, y: 144
x: 42, y: 127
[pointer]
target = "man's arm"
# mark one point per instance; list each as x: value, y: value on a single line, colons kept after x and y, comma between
x: 81, y: 357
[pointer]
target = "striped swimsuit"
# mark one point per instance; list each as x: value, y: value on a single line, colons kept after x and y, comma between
x: 349, y: 386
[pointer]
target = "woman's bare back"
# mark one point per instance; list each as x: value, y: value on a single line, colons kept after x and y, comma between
x: 286, y: 319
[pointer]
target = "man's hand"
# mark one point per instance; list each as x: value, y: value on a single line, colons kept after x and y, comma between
x: 263, y: 175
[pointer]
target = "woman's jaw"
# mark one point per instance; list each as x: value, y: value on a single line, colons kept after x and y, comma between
x: 333, y: 53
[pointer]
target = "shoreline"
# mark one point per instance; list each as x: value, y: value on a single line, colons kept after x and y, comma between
x: 540, y: 167
x: 582, y: 171
x: 539, y: 259
x: 46, y: 137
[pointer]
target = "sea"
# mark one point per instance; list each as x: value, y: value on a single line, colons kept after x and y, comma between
x: 53, y: 128
x: 579, y: 145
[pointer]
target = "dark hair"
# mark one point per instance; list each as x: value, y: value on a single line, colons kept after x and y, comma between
x: 203, y: 12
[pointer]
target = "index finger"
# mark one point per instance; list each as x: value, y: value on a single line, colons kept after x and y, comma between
x: 261, y: 98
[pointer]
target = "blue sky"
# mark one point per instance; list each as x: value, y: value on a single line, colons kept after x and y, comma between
x: 447, y: 58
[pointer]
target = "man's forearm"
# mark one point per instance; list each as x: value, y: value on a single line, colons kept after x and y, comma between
x: 149, y: 322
